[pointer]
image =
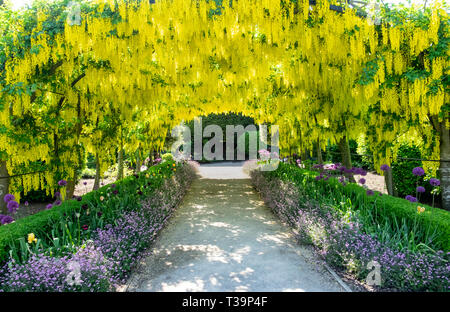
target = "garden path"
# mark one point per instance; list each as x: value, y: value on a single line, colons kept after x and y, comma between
x: 223, y: 238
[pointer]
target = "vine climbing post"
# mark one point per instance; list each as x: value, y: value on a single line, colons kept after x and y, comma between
x: 388, y: 179
x: 97, y: 173
x: 346, y: 157
x: 319, y: 153
x: 120, y: 158
x: 138, y: 162
x: 445, y: 165
x: 4, y: 185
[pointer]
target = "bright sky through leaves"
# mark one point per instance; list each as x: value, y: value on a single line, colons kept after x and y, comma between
x: 17, y: 4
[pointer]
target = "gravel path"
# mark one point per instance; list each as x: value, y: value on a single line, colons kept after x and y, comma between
x: 223, y: 238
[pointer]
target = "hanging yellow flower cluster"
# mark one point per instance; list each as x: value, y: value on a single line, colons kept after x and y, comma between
x: 151, y: 66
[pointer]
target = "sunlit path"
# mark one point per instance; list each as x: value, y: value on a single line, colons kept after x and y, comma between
x: 223, y: 238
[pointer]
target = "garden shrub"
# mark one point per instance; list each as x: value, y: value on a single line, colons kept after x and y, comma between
x: 222, y: 120
x: 332, y: 154
x: 36, y: 196
x: 404, y: 180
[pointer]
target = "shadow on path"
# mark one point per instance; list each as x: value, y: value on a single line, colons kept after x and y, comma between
x: 223, y: 238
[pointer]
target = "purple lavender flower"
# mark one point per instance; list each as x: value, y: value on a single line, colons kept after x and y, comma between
x: 62, y: 182
x: 418, y: 171
x: 12, y: 206
x: 420, y: 189
x: 385, y: 167
x: 8, y: 197
x: 435, y: 182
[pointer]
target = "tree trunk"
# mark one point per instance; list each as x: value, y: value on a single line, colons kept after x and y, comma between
x: 346, y: 157
x: 389, y: 182
x: 97, y: 174
x: 4, y: 185
x: 138, y: 164
x: 445, y: 165
x: 120, y: 164
x: 319, y: 153
x: 70, y: 189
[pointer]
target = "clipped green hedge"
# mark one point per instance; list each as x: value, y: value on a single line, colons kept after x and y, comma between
x: 435, y: 217
x: 43, y: 220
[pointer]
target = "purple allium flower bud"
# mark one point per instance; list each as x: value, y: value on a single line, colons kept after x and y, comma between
x: 6, y: 219
x: 418, y: 171
x: 8, y: 197
x: 435, y: 182
x: 57, y: 202
x: 49, y: 206
x: 115, y: 192
x: 410, y: 198
x: 26, y: 203
x: 362, y: 181
x: 385, y: 167
x: 57, y: 194
x: 85, y: 183
x: 420, y: 189
x: 62, y: 182
x: 369, y: 192
x: 12, y: 206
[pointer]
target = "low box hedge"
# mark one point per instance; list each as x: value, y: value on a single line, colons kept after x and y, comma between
x: 437, y: 218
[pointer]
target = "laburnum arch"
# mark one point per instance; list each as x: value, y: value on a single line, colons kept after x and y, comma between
x: 123, y: 73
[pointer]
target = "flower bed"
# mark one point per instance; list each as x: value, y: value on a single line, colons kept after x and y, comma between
x: 352, y: 228
x: 92, y: 244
